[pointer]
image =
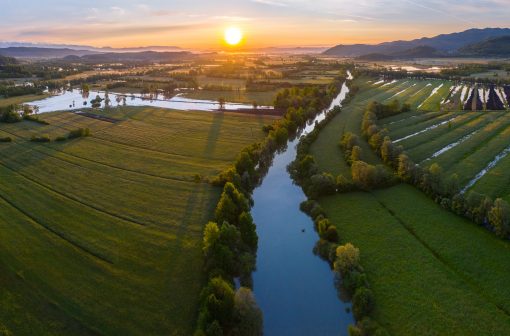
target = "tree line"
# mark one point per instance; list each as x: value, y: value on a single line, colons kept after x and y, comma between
x: 230, y: 241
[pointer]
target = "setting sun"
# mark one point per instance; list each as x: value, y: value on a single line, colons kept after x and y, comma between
x: 233, y: 36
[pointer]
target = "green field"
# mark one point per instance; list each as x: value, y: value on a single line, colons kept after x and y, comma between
x: 21, y: 99
x: 432, y: 272
x: 265, y: 98
x: 464, y: 143
x: 103, y: 235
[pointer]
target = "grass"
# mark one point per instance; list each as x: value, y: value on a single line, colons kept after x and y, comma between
x: 103, y: 234
x: 432, y: 272
x: 265, y: 98
x: 427, y: 277
x: 21, y: 99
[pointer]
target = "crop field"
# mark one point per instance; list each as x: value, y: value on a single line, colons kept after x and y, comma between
x: 102, y: 235
x: 473, y: 145
x: 264, y: 98
x: 426, y: 276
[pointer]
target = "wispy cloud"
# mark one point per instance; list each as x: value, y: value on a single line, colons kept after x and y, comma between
x: 271, y: 3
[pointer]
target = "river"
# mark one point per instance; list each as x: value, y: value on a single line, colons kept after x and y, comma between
x: 293, y: 287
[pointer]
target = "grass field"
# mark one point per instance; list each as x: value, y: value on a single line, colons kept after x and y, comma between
x: 102, y: 235
x: 21, y: 99
x: 432, y: 272
x: 265, y: 98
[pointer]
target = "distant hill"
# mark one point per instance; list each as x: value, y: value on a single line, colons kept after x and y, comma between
x: 4, y: 44
x: 34, y: 52
x: 144, y: 56
x: 447, y: 44
x: 418, y: 52
x: 375, y: 57
x: 498, y: 46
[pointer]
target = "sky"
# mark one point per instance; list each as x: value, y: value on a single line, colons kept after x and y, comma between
x: 199, y: 24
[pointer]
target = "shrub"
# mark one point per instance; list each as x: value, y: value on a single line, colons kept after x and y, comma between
x: 347, y: 258
x: 362, y: 303
x: 353, y: 280
x: 35, y: 119
x: 78, y: 133
x: 499, y: 218
x: 321, y: 184
x: 42, y: 138
x: 6, y: 139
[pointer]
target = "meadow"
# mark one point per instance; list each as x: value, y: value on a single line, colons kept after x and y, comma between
x: 103, y: 234
x: 426, y: 266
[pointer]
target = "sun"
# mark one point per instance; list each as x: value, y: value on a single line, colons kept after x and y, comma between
x: 233, y: 36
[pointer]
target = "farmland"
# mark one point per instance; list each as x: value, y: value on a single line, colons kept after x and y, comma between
x: 419, y: 258
x: 103, y: 234
x: 472, y: 145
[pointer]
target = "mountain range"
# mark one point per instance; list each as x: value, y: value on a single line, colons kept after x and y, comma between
x: 466, y: 43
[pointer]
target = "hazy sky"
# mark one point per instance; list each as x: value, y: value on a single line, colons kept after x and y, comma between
x: 200, y: 23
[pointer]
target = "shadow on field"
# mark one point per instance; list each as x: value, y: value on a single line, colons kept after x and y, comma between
x: 195, y: 207
x: 214, y: 134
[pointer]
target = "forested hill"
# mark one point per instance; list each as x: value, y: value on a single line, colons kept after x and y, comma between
x: 445, y: 43
x: 499, y: 46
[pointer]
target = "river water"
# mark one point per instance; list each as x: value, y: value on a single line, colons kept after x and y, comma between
x: 74, y: 100
x: 293, y: 287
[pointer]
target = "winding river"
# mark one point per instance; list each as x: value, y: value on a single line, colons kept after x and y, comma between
x: 293, y: 287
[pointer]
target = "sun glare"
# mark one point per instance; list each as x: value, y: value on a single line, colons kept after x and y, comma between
x: 233, y: 36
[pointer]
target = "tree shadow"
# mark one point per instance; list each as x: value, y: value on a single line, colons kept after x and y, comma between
x: 214, y: 134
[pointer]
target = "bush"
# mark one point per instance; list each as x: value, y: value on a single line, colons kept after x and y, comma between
x: 78, y: 133
x: 43, y: 138
x: 35, y: 119
x: 347, y: 258
x: 9, y: 114
x: 321, y: 184
x: 362, y: 303
x: 6, y: 139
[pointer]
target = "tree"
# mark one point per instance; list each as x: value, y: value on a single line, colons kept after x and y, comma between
x: 218, y: 302
x: 356, y: 153
x: 322, y: 184
x: 247, y: 315
x: 362, y: 303
x: 347, y: 258
x: 211, y: 236
x: 221, y: 103
x: 406, y: 169
x: 499, y: 218
x: 248, y: 231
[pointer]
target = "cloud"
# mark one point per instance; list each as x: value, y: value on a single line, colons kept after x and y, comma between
x: 117, y: 10
x: 271, y: 3
x: 107, y: 31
